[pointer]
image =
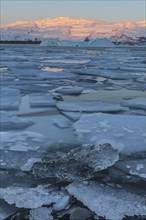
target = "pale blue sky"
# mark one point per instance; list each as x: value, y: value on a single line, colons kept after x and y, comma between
x: 109, y: 10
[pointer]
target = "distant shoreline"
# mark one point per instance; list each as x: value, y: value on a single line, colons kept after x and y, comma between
x: 19, y: 42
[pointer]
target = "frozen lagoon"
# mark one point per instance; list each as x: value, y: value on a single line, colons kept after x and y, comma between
x: 57, y: 99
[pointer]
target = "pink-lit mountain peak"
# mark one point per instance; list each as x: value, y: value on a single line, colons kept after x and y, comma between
x: 72, y: 28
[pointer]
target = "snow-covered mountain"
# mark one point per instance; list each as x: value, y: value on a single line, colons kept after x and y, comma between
x: 74, y: 29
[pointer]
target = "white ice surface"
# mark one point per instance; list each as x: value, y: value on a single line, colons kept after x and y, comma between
x: 33, y: 197
x: 21, y: 141
x: 113, y: 203
x: 124, y: 132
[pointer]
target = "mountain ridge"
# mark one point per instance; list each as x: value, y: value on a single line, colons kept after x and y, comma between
x: 74, y: 29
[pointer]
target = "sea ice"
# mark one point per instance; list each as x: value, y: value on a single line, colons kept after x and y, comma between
x: 57, y: 75
x: 9, y: 99
x: 69, y: 90
x: 61, y: 122
x: 137, y: 103
x: 74, y: 116
x: 11, y: 122
x: 21, y: 141
x: 31, y: 198
x: 78, y: 164
x: 41, y: 101
x: 113, y: 203
x: 90, y: 106
x: 125, y: 132
x: 41, y: 213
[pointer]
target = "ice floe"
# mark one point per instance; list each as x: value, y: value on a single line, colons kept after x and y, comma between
x: 69, y: 90
x: 90, y: 106
x: 41, y: 213
x: 78, y: 164
x: 57, y: 75
x: 11, y: 122
x: 125, y: 132
x: 62, y: 122
x: 21, y: 141
x: 32, y: 198
x: 137, y: 103
x: 9, y: 99
x: 41, y: 100
x: 113, y: 203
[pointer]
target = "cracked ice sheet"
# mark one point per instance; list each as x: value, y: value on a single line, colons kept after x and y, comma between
x: 124, y: 132
x: 11, y: 122
x: 98, y: 197
x: 32, y: 198
x: 21, y: 141
x: 41, y: 101
x: 138, y: 103
x: 9, y: 99
x: 90, y: 106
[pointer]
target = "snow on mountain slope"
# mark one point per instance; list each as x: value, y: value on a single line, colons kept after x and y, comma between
x: 73, y: 29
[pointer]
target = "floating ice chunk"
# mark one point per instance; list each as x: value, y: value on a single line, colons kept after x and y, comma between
x: 74, y: 116
x: 132, y: 166
x: 118, y: 201
x: 90, y: 106
x: 31, y: 197
x: 28, y: 165
x: 61, y: 203
x: 41, y: 101
x: 57, y: 75
x: 21, y: 141
x: 100, y: 42
x: 122, y: 131
x: 62, y: 122
x: 138, y: 69
x: 138, y: 103
x: 80, y: 163
x: 69, y: 90
x: 41, y: 213
x: 10, y: 122
x: 9, y: 99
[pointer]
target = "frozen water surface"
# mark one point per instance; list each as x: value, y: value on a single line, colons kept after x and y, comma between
x: 66, y: 96
x: 113, y: 203
x: 125, y: 132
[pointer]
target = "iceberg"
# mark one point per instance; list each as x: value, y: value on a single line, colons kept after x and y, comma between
x: 97, y: 42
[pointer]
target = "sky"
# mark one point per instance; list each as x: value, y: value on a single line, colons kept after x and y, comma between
x: 108, y: 10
